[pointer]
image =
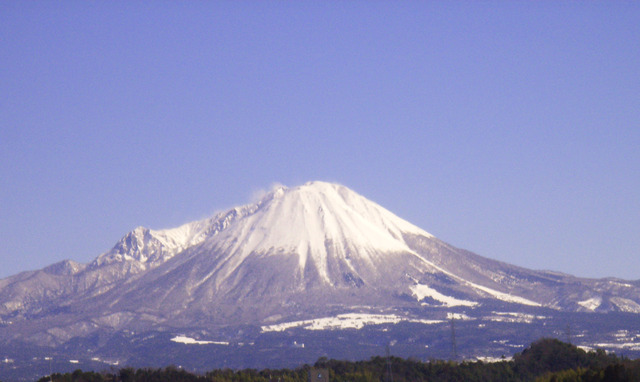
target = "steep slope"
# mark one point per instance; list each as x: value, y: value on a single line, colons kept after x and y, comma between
x: 301, y: 246
x: 64, y: 283
x: 311, y: 251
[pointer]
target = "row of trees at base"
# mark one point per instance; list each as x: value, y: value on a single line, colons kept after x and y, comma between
x: 546, y: 360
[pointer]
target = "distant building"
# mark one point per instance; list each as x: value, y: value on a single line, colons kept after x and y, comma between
x: 319, y: 375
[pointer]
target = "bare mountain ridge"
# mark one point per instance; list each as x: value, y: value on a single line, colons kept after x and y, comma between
x: 301, y: 253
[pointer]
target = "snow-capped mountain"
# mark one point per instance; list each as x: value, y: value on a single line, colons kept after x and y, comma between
x: 299, y: 254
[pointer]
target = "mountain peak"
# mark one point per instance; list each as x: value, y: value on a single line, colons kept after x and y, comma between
x: 299, y: 257
x: 319, y: 222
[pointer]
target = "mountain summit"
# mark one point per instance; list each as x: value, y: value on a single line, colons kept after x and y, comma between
x: 298, y: 255
x: 312, y: 245
x: 321, y: 225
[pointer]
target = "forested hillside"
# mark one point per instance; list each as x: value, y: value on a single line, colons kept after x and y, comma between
x: 545, y: 360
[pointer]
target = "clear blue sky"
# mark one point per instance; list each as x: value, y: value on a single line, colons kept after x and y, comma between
x: 511, y: 129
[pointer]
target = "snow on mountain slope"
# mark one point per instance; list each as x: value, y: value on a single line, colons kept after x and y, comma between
x: 316, y: 250
x: 421, y: 291
x: 308, y: 242
x: 317, y: 221
x: 150, y: 247
x: 321, y: 242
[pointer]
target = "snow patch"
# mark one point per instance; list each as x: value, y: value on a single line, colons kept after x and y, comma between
x: 489, y: 359
x: 420, y: 291
x: 503, y: 296
x: 506, y: 343
x: 344, y: 321
x: 624, y: 345
x: 622, y: 333
x: 513, y: 317
x: 625, y: 285
x: 496, y: 294
x: 626, y: 305
x: 458, y: 316
x: 591, y: 304
x: 190, y: 341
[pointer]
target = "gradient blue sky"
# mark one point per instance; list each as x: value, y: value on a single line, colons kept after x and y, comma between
x: 511, y: 129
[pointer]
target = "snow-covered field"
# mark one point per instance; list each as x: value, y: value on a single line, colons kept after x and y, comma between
x: 513, y: 317
x: 344, y: 321
x: 190, y: 341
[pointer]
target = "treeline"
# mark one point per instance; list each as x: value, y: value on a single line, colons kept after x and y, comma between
x: 546, y: 360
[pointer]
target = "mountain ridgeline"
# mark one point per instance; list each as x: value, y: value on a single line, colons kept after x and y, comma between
x: 317, y: 257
